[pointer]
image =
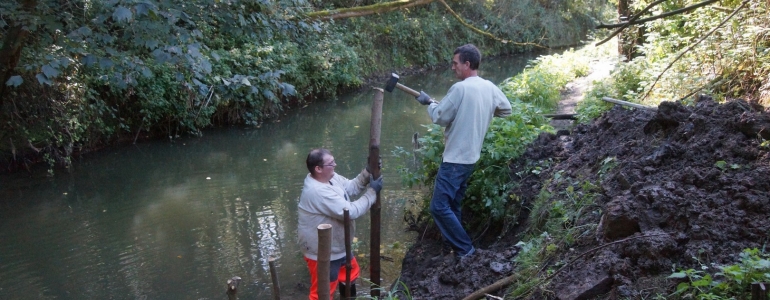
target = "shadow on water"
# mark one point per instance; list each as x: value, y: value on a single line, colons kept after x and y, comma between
x: 176, y: 219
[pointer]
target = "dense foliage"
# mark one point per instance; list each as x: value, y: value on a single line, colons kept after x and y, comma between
x: 79, y: 75
x: 488, y: 188
x: 722, y: 50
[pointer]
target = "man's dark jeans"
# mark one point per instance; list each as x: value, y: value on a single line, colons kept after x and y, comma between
x: 451, y: 183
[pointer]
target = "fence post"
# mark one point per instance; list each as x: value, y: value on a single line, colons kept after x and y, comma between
x: 324, y: 258
x: 348, y: 254
x: 274, y: 277
x: 375, y: 211
x: 759, y: 291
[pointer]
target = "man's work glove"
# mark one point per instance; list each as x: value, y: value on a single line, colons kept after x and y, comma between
x: 375, y: 184
x: 366, y: 173
x: 424, y: 98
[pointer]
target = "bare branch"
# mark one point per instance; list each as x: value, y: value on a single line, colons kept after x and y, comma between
x: 350, y: 12
x: 484, y: 33
x: 663, y: 15
x: 745, y: 2
x: 636, y: 16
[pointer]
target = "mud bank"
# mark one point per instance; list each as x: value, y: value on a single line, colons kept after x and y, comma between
x: 687, y: 186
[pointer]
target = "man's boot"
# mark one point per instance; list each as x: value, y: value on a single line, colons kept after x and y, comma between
x: 341, y: 286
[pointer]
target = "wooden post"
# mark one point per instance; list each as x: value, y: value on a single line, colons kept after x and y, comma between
x: 232, y: 287
x: 274, y: 277
x: 759, y: 291
x: 348, y: 254
x: 324, y: 258
x: 374, y: 166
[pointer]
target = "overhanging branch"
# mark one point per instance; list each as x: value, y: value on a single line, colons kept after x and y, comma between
x: 358, y: 11
x: 745, y: 2
x: 484, y: 33
x: 663, y: 15
x: 636, y: 16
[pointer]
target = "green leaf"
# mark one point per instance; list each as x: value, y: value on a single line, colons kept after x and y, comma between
x: 42, y: 79
x: 105, y: 63
x: 288, y: 89
x: 14, y: 81
x: 88, y: 60
x: 682, y: 287
x: 121, y: 14
x: 705, y: 281
x: 50, y: 72
x: 151, y: 44
x: 142, y: 9
x: 146, y: 72
x: 678, y: 275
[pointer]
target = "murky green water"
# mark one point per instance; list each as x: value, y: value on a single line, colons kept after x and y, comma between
x: 176, y: 219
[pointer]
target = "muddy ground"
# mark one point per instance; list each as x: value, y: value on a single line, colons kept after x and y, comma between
x: 687, y: 186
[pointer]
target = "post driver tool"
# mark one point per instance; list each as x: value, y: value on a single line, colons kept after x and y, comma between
x: 393, y: 83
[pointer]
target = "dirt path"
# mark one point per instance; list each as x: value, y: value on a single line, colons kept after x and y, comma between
x: 574, y: 91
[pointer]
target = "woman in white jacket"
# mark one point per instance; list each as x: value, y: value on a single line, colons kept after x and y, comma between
x: 325, y: 196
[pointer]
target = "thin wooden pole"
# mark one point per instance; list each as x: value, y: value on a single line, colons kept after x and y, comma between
x: 374, y: 166
x: 348, y: 254
x: 274, y: 277
x: 631, y: 104
x: 324, y: 259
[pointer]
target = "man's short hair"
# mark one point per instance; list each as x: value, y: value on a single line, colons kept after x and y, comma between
x: 316, y: 158
x: 470, y: 53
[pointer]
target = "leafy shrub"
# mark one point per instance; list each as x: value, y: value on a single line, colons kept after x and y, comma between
x: 506, y: 139
x: 730, y: 282
x: 624, y: 83
x: 541, y: 82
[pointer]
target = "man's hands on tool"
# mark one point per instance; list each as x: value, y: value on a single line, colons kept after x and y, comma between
x: 375, y: 184
x: 424, y: 98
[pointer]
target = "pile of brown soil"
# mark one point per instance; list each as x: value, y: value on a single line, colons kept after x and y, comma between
x: 689, y: 187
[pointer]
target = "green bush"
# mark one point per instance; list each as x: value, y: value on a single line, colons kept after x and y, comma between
x: 506, y: 139
x: 541, y: 82
x: 730, y: 282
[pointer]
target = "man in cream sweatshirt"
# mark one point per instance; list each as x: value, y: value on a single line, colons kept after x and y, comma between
x: 465, y: 113
x: 325, y: 195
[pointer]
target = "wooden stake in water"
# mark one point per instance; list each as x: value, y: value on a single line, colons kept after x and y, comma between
x: 274, y: 277
x: 324, y: 257
x: 348, y: 254
x: 374, y: 166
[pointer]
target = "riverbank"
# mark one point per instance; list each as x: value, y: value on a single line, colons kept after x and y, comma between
x: 430, y: 278
x: 614, y: 204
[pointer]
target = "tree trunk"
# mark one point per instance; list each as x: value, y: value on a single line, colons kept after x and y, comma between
x: 623, y: 43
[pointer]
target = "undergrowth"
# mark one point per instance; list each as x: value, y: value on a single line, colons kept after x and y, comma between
x: 722, y: 282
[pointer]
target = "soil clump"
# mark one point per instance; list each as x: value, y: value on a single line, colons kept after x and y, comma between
x: 684, y: 186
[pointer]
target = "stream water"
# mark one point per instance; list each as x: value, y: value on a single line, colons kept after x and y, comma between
x: 174, y: 219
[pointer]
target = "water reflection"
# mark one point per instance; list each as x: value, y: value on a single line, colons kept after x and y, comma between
x: 176, y: 219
